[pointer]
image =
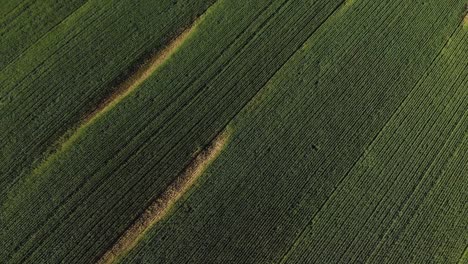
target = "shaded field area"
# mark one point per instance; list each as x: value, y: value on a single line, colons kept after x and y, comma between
x: 209, y: 131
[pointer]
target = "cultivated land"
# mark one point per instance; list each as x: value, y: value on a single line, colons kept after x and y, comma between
x: 50, y: 86
x: 223, y: 131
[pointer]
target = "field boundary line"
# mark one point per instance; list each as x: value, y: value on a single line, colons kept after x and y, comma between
x: 164, y: 202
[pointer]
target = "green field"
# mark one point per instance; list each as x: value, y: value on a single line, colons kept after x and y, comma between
x: 216, y: 131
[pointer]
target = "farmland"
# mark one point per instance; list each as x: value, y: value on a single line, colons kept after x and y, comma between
x: 234, y: 131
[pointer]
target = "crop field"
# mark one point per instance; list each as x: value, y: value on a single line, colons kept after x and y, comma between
x: 217, y: 131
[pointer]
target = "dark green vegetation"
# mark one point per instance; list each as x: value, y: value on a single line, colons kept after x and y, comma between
x: 349, y: 124
x: 25, y: 22
x: 48, y: 87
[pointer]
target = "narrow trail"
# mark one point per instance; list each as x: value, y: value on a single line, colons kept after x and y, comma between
x: 162, y: 204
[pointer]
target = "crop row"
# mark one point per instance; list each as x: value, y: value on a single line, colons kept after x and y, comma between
x: 421, y: 138
x: 87, y: 197
x: 25, y: 22
x: 288, y: 156
x: 438, y: 177
x: 54, y: 83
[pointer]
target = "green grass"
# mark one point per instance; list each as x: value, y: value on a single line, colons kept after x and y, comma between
x: 348, y: 126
